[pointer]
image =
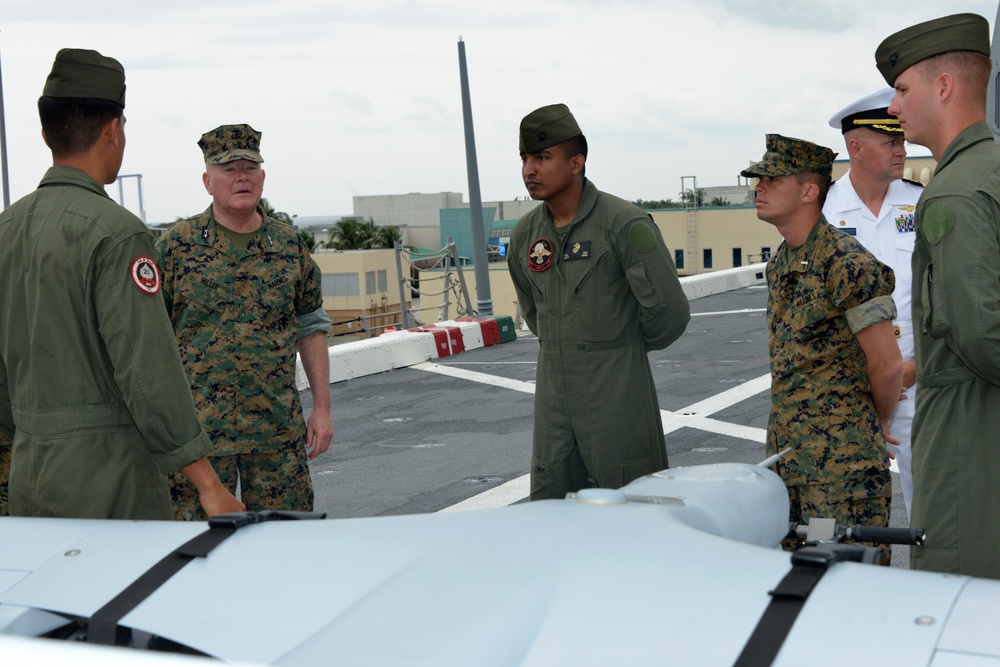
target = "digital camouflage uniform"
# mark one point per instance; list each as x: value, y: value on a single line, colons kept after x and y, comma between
x: 608, y: 294
x: 95, y: 395
x: 4, y: 474
x: 820, y: 295
x: 236, y: 315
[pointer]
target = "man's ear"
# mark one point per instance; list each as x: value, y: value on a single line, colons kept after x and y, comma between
x: 810, y: 192
x: 110, y: 131
x: 578, y: 162
x: 207, y: 181
x: 946, y: 86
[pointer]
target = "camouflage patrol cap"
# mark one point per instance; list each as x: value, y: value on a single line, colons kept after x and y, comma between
x: 871, y: 112
x: 546, y: 127
x: 228, y: 143
x: 83, y: 73
x: 786, y: 156
x: 958, y: 32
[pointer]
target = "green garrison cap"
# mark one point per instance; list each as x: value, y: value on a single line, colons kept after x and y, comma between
x: 228, y: 143
x: 546, y: 127
x: 786, y: 156
x: 83, y: 73
x: 958, y: 32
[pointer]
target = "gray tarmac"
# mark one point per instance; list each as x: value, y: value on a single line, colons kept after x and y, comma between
x: 411, y: 441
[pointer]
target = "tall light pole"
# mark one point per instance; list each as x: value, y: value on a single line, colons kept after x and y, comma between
x: 3, y: 147
x: 484, y: 302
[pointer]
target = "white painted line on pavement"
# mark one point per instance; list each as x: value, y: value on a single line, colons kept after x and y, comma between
x: 518, y: 488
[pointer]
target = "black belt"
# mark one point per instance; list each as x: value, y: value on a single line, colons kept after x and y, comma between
x: 103, y: 626
x: 787, y: 599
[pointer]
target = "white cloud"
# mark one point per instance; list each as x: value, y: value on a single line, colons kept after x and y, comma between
x: 364, y: 97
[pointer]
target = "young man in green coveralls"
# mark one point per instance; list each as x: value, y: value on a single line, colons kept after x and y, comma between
x: 92, y: 391
x: 940, y: 70
x: 597, y: 285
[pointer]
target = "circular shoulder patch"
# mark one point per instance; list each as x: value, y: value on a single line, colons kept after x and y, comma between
x: 540, y: 254
x: 641, y: 237
x: 145, y: 274
x: 936, y: 223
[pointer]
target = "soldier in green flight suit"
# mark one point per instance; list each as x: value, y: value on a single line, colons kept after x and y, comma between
x: 597, y: 285
x: 940, y: 70
x: 92, y: 391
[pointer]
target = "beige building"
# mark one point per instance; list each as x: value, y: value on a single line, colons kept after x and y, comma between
x: 364, y: 284
x: 712, y: 238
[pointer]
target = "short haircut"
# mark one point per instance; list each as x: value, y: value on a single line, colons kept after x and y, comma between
x: 72, y: 124
x: 576, y: 146
x: 970, y: 67
x: 821, y: 181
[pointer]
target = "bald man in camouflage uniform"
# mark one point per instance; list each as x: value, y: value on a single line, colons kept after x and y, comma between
x: 597, y: 285
x: 243, y: 292
x: 836, y: 371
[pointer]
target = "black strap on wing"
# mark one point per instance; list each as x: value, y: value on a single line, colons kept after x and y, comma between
x: 103, y: 626
x: 789, y: 597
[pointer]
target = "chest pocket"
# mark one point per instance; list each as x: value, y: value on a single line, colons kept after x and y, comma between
x: 201, y: 299
x: 809, y: 317
x: 275, y: 301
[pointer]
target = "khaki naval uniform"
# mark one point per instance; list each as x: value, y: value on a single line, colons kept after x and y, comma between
x: 599, y: 294
x: 889, y: 236
x: 95, y: 397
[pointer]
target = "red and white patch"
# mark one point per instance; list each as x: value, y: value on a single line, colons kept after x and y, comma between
x: 146, y: 275
x: 540, y: 254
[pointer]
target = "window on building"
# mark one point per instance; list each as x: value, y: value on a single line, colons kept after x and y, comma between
x: 340, y: 284
x: 765, y: 253
x: 706, y: 258
x: 679, y: 259
x: 369, y: 282
x: 383, y: 281
x: 737, y: 257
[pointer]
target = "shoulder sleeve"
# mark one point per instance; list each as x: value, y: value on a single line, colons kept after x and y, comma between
x: 861, y: 287
x: 141, y: 347
x: 310, y: 294
x: 652, y: 279
x: 522, y: 284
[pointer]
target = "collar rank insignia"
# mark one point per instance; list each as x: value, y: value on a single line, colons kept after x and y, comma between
x: 578, y: 250
x: 540, y: 254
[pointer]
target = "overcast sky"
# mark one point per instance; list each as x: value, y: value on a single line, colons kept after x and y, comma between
x: 364, y: 97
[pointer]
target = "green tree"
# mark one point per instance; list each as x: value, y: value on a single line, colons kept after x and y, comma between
x: 309, y: 240
x: 647, y: 204
x: 354, y: 234
x: 280, y: 216
x: 347, y: 235
x: 693, y: 198
x: 387, y: 236
x: 719, y: 201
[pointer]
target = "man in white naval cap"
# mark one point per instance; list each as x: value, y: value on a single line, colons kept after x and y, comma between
x: 873, y: 203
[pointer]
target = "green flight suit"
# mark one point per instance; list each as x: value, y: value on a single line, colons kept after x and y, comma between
x: 598, y: 299
x: 94, y: 395
x: 956, y: 320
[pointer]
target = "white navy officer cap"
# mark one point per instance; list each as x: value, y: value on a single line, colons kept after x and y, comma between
x: 871, y: 111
